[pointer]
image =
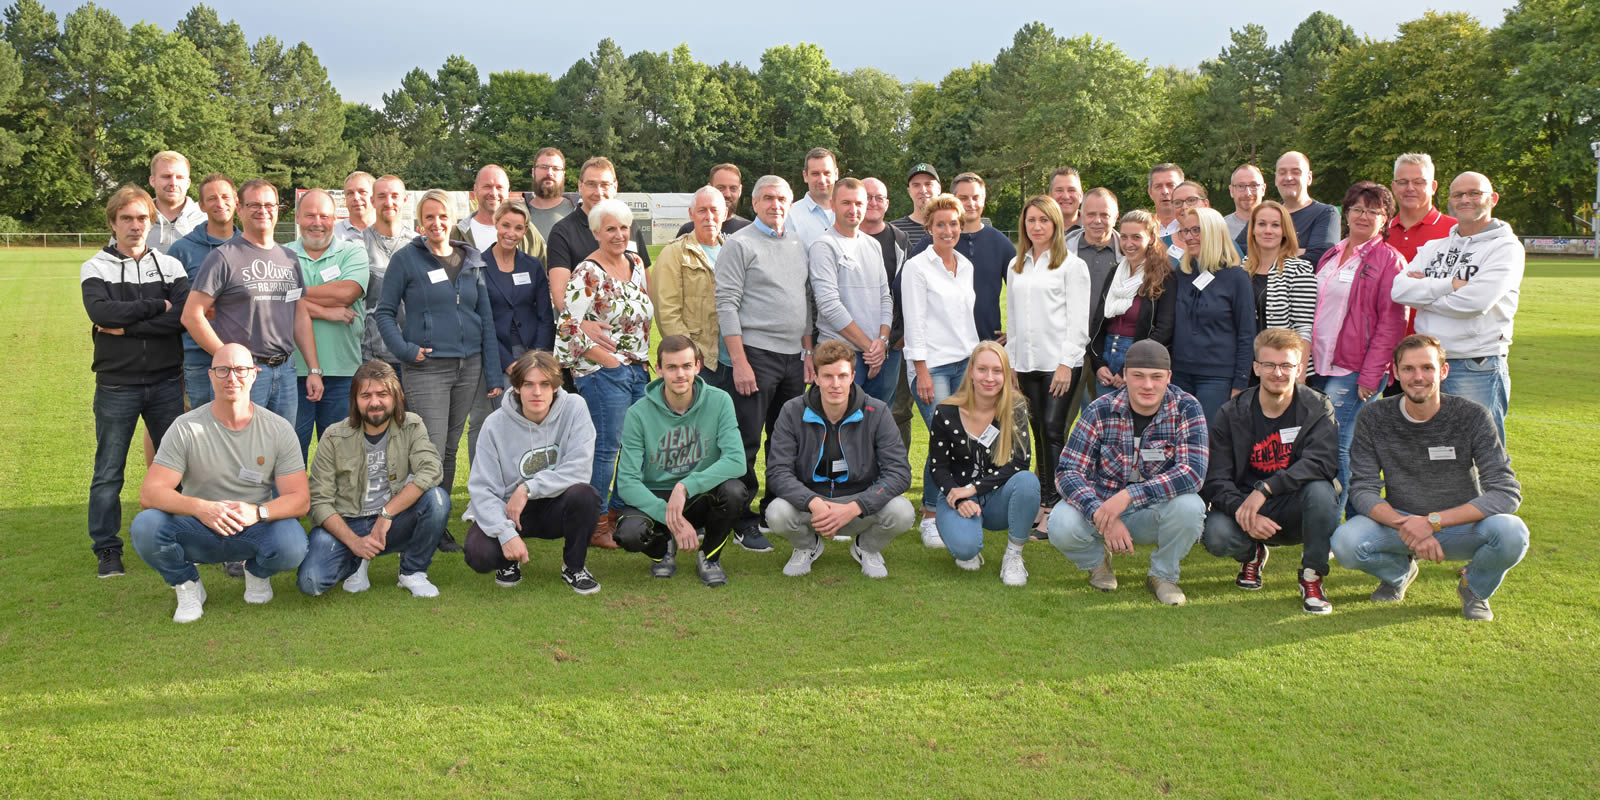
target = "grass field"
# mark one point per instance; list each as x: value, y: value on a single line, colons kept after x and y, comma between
x: 933, y: 683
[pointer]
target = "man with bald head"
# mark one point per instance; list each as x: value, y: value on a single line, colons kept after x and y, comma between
x: 683, y: 284
x: 382, y: 239
x: 1247, y: 187
x: 1465, y: 288
x: 335, y: 275
x: 228, y: 484
x: 894, y: 244
x: 357, y: 201
x: 1316, y: 225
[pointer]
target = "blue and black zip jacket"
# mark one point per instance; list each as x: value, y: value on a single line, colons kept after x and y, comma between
x: 875, y: 470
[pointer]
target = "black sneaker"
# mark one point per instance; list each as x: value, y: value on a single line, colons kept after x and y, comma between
x: 711, y: 572
x: 580, y: 581
x: 668, y: 565
x: 233, y: 569
x: 448, y: 543
x: 750, y: 537
x: 110, y: 564
x: 1250, y: 571
x: 508, y: 576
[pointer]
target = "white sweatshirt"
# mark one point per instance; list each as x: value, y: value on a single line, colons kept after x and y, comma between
x: 1475, y: 320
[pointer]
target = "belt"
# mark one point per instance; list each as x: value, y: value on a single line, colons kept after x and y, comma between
x: 273, y: 361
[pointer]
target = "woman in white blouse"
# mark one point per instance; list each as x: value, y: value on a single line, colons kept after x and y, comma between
x: 936, y: 294
x: 1047, y: 329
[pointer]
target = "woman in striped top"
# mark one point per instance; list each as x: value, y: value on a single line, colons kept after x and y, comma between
x: 1285, y: 285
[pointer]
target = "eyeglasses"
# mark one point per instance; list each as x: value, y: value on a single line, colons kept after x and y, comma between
x: 1360, y: 211
x: 256, y: 207
x: 1189, y: 233
x: 1188, y: 202
x: 1267, y: 366
x: 599, y: 184
x: 1249, y: 187
x: 548, y: 168
x: 238, y: 372
x: 1471, y: 194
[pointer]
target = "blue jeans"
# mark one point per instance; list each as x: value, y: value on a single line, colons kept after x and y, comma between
x: 277, y: 390
x: 1173, y: 527
x: 1344, y: 392
x: 1115, y: 350
x: 883, y: 386
x: 609, y: 392
x: 946, y: 379
x: 1010, y: 508
x: 197, y: 383
x: 334, y: 406
x: 1212, y: 393
x: 414, y: 533
x: 173, y: 544
x: 1491, y: 547
x: 117, y: 409
x: 1486, y: 381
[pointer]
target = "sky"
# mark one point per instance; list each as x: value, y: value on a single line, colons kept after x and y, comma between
x: 913, y: 41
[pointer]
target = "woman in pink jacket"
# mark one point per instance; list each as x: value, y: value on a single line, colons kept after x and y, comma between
x: 1356, y: 325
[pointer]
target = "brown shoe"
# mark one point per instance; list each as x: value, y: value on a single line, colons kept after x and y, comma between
x: 602, y: 532
x: 1102, y: 577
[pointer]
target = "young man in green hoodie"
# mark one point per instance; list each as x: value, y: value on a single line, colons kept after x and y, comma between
x: 680, y: 467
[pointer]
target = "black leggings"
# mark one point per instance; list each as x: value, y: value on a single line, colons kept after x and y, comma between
x: 1049, y: 416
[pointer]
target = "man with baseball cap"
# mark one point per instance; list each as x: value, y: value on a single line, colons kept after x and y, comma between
x: 922, y: 183
x: 1131, y: 474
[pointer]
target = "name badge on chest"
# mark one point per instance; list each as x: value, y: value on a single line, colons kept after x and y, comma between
x: 989, y: 435
x: 292, y: 295
x: 1203, y: 281
x: 249, y: 475
x: 436, y: 276
x: 521, y: 279
x: 1441, y: 454
x: 329, y: 274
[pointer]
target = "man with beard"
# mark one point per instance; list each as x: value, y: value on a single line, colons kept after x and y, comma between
x: 729, y: 182
x: 335, y: 275
x: 549, y: 201
x: 374, y: 491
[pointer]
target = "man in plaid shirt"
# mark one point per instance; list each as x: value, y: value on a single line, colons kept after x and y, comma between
x: 1131, y: 474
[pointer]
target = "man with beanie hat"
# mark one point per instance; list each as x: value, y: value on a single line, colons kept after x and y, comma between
x: 1131, y: 474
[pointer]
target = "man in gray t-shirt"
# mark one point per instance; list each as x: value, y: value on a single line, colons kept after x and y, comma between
x: 209, y: 494
x: 383, y: 238
x: 1430, y: 479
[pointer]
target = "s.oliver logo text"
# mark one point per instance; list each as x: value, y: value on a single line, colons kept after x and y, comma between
x: 262, y: 270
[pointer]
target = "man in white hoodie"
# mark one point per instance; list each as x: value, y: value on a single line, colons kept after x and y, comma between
x: 530, y: 477
x: 1465, y: 289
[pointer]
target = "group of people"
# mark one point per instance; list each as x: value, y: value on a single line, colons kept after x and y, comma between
x: 1222, y: 372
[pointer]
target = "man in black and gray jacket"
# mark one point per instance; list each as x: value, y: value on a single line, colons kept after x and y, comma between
x: 134, y: 296
x: 836, y: 466
x: 1274, y: 459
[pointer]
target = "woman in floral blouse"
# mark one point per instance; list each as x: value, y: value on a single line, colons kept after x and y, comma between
x: 603, y: 336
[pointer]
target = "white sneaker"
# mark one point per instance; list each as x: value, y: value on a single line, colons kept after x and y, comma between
x: 1012, y: 571
x: 971, y: 564
x: 930, y: 534
x: 468, y: 516
x: 256, y: 590
x: 871, y: 563
x: 358, y: 582
x: 419, y: 584
x: 191, y: 601
x: 800, y: 561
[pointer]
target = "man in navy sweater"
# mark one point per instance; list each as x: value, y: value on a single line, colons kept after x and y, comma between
x: 989, y: 251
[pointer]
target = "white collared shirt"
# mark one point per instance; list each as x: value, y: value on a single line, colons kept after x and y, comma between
x: 1047, y: 314
x: 938, y: 309
x: 808, y: 220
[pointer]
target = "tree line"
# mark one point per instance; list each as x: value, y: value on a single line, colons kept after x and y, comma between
x: 85, y: 101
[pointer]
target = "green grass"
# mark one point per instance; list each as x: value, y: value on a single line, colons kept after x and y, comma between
x: 933, y: 683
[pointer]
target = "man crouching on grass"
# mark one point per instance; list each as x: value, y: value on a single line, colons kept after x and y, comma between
x: 374, y: 491
x: 229, y: 456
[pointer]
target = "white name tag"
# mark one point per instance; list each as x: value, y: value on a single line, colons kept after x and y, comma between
x: 1288, y: 435
x: 249, y: 475
x: 840, y: 466
x: 1150, y: 454
x: 989, y: 435
x: 292, y: 295
x: 1441, y: 454
x: 632, y: 245
x: 521, y: 279
x: 330, y: 273
x: 1203, y: 281
x: 436, y: 276
x: 1347, y: 275
x: 1175, y: 251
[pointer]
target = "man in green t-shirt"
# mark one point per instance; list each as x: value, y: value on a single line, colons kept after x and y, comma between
x: 335, y: 275
x: 209, y: 495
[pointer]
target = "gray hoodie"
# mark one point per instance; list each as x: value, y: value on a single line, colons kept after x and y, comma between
x: 546, y: 456
x: 1476, y: 320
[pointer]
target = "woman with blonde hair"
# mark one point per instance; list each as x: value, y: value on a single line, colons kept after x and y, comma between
x: 1284, y: 284
x: 1047, y: 322
x: 1136, y: 303
x: 1215, y: 313
x: 978, y: 453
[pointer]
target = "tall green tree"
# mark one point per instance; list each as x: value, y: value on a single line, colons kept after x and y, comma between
x: 237, y: 89
x: 1010, y: 102
x: 1238, y: 107
x: 515, y: 121
x: 944, y: 120
x: 304, y: 119
x: 805, y: 103
x: 872, y: 138
x: 596, y: 97
x: 1302, y: 64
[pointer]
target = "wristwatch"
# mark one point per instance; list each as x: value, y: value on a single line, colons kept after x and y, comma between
x: 1263, y: 488
x: 1436, y: 521
x: 261, y: 511
x: 314, y: 371
x: 384, y: 512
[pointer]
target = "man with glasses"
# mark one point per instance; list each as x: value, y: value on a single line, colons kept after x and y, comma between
x: 1246, y: 187
x: 228, y: 484
x: 1416, y: 222
x: 248, y: 292
x: 549, y: 202
x: 729, y: 182
x: 1316, y: 224
x: 1274, y: 455
x: 1465, y: 288
x: 571, y: 241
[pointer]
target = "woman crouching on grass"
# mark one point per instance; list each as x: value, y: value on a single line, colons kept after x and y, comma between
x: 978, y: 453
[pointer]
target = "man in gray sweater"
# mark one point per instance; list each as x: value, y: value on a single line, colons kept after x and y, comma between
x: 765, y: 312
x: 1430, y: 479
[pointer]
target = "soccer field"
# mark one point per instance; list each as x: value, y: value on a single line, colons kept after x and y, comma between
x: 932, y: 683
